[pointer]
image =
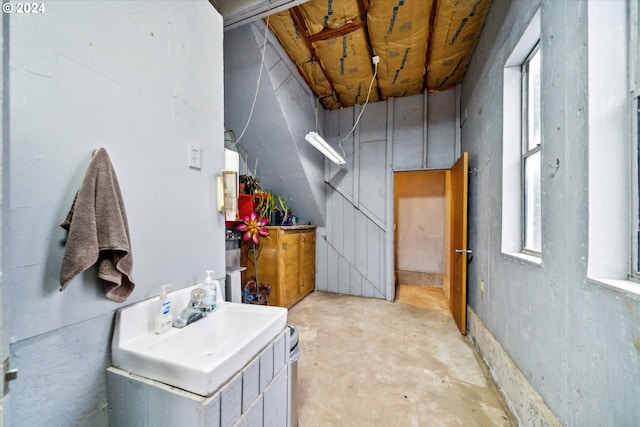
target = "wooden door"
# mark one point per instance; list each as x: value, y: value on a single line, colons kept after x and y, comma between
x: 459, y: 251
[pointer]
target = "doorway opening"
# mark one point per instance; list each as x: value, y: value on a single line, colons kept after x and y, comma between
x: 430, y: 238
x: 421, y: 221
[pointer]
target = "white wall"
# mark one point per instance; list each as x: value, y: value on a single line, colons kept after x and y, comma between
x: 142, y: 80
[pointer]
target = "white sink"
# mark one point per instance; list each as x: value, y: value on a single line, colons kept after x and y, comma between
x: 200, y: 357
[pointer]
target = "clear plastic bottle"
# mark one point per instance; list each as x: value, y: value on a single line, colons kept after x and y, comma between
x: 210, y: 286
x: 164, y: 319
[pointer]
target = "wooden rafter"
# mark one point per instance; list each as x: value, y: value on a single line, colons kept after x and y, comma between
x: 329, y: 33
x: 296, y: 15
x: 432, y: 24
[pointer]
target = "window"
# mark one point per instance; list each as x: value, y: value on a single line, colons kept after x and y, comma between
x: 522, y: 147
x: 614, y: 87
x: 531, y: 153
x: 635, y: 137
x: 634, y: 88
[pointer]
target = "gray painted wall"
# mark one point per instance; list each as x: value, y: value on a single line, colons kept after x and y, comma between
x: 283, y: 114
x: 575, y: 341
x: 4, y: 210
x: 354, y: 202
x: 143, y: 82
x: 391, y: 136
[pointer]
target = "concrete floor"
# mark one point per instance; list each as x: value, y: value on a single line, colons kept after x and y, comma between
x: 369, y: 362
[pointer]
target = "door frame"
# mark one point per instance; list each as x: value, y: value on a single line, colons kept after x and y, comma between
x: 445, y: 173
x: 449, y: 244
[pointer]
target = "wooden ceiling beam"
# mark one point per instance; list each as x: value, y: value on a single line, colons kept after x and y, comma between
x: 432, y: 24
x: 297, y: 17
x: 329, y: 33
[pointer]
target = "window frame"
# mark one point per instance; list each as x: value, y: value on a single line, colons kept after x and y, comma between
x: 527, y: 152
x: 512, y: 127
x: 612, y: 153
x: 634, y: 129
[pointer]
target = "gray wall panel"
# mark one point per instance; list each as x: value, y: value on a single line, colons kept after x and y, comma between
x: 367, y: 288
x: 143, y: 89
x: 355, y: 282
x: 441, y: 129
x: 338, y: 223
x: 373, y: 186
x: 348, y: 230
x: 361, y: 241
x: 321, y: 261
x: 373, y: 123
x: 344, y: 275
x: 574, y: 341
x: 357, y: 222
x: 62, y: 374
x: 408, y: 132
x: 332, y: 270
x: 373, y: 254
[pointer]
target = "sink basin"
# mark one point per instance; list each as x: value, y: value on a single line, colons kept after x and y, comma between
x: 200, y: 357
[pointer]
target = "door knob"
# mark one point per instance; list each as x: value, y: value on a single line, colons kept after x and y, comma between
x: 464, y: 251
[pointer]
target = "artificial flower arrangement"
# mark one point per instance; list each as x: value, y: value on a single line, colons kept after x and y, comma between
x: 254, y: 228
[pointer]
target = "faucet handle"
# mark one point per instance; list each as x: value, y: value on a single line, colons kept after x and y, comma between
x: 197, y: 296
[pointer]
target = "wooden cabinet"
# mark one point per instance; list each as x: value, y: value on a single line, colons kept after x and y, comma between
x: 287, y: 262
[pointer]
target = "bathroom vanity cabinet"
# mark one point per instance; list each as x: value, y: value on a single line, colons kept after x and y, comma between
x: 286, y: 261
x: 256, y: 396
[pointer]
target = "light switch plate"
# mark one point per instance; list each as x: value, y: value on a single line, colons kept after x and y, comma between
x: 195, y: 157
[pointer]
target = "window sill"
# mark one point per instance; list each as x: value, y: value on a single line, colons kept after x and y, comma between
x: 627, y: 287
x: 530, y: 259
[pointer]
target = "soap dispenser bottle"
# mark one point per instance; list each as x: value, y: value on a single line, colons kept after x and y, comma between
x: 163, y: 318
x: 210, y: 286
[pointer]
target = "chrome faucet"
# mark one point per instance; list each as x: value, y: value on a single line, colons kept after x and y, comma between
x: 194, y: 310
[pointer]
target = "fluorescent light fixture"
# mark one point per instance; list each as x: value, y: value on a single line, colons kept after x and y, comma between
x: 324, y: 147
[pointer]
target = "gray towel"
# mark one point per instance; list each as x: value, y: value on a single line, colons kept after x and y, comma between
x: 98, y: 231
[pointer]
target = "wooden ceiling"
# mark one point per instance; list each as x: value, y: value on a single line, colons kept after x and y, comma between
x: 423, y: 45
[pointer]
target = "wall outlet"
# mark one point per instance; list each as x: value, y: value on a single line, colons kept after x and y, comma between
x: 195, y: 157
